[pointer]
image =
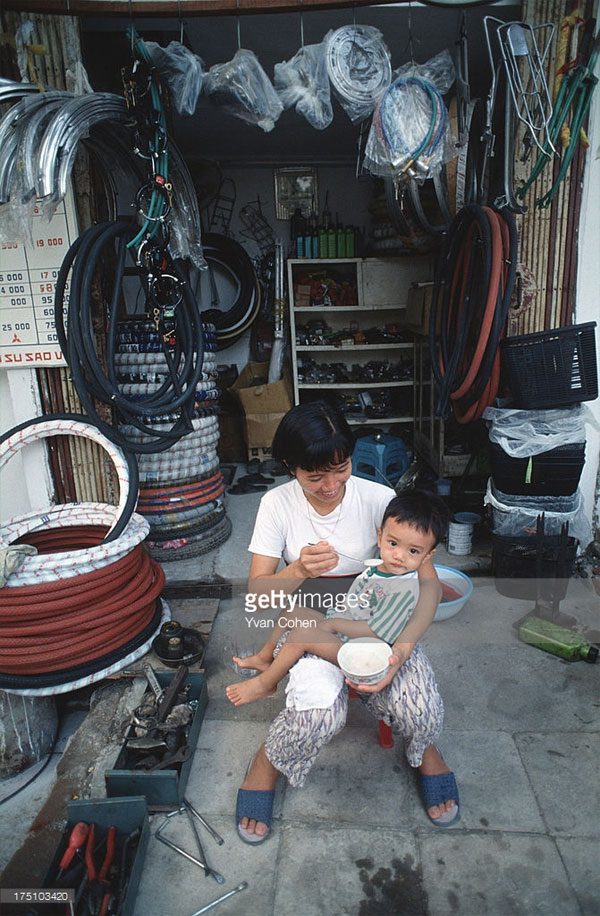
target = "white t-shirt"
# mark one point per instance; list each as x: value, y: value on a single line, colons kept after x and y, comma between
x: 286, y: 522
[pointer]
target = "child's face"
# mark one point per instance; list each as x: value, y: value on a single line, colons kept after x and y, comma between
x: 402, y: 547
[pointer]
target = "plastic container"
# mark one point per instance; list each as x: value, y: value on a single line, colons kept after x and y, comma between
x: 443, y: 486
x: 553, y: 473
x: 557, y: 640
x: 515, y: 568
x: 460, y: 583
x: 552, y: 368
x: 516, y: 516
x: 460, y: 538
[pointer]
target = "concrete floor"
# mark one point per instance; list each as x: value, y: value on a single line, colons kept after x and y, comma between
x: 522, y: 734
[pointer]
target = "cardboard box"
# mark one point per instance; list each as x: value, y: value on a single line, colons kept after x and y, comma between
x: 418, y: 308
x: 264, y: 404
x: 127, y: 815
x: 162, y: 789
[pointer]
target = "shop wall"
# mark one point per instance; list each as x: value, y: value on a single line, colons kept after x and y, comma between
x: 349, y: 199
x: 26, y: 482
x: 587, y: 307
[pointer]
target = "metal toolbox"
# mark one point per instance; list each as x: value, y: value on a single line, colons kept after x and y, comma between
x: 127, y: 815
x: 163, y: 789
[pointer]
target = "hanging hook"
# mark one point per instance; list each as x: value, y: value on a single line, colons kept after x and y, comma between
x: 410, y: 35
x: 180, y: 22
x: 131, y: 28
x: 239, y: 33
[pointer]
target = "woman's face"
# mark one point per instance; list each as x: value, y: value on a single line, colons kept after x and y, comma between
x: 325, y: 486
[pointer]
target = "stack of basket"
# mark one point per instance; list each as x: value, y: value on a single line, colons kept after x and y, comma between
x: 537, y: 453
x: 181, y: 489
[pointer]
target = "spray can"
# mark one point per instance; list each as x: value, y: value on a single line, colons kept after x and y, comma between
x: 558, y: 640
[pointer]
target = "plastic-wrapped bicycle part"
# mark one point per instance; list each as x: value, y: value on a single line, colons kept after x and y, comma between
x: 516, y: 516
x: 410, y: 135
x: 242, y: 87
x: 183, y: 72
x: 303, y: 82
x: 438, y: 70
x: 524, y: 433
x: 359, y: 68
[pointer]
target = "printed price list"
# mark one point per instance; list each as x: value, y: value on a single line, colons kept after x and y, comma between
x: 28, y: 275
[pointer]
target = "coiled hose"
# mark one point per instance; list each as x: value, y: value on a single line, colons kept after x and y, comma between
x: 184, y: 359
x: 475, y: 278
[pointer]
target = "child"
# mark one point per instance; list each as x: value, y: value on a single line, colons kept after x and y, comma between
x: 380, y: 602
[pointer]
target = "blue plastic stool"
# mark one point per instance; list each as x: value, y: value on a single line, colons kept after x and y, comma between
x: 381, y: 458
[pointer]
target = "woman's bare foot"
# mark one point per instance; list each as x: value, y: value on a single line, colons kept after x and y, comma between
x: 433, y: 764
x: 261, y: 775
x: 248, y: 691
x: 258, y: 661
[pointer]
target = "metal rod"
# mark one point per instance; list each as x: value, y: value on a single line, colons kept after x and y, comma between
x: 210, y: 905
x: 218, y: 839
x: 201, y: 853
x: 186, y: 855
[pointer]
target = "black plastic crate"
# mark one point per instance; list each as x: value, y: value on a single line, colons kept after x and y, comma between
x: 515, y: 568
x: 552, y: 368
x: 553, y: 473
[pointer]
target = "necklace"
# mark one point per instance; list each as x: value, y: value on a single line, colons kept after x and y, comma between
x: 312, y: 524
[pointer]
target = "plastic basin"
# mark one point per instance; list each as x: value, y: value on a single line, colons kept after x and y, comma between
x: 461, y: 583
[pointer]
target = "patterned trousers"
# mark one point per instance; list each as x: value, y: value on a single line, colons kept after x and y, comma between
x: 411, y: 704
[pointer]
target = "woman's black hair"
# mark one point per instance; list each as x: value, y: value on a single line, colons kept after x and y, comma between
x: 312, y: 436
x: 423, y: 510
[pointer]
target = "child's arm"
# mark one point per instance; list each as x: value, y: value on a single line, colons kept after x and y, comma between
x: 430, y: 593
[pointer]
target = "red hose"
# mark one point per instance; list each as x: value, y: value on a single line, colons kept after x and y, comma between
x: 66, y: 622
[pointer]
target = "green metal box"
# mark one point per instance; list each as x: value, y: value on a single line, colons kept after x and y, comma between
x: 127, y: 815
x: 162, y: 789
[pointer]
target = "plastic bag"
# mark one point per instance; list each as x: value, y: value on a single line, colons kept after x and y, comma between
x: 359, y: 68
x: 410, y: 136
x: 303, y: 82
x: 243, y: 88
x: 183, y: 72
x: 524, y: 433
x: 516, y: 516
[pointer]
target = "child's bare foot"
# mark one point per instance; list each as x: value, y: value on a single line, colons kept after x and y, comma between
x: 248, y: 691
x: 258, y: 662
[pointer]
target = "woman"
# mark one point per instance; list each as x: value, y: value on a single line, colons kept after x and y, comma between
x: 323, y: 525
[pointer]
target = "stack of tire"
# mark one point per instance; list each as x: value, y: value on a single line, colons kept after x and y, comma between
x: 181, y: 489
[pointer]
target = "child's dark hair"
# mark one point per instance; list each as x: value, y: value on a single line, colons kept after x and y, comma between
x: 423, y: 510
x: 312, y: 436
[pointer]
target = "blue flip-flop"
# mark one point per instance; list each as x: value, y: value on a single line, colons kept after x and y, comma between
x: 435, y: 790
x: 256, y: 804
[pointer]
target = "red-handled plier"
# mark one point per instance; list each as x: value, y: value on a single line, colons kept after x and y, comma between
x: 99, y: 891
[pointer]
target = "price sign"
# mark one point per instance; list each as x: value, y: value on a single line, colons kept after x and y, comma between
x: 28, y: 274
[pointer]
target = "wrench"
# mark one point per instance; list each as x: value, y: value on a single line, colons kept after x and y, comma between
x: 210, y: 905
x: 180, y: 756
x: 218, y: 839
x: 215, y: 874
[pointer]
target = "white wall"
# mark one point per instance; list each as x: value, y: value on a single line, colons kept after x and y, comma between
x: 26, y: 481
x: 587, y: 301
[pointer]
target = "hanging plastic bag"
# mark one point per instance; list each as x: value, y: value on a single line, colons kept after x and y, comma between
x: 524, y: 433
x: 410, y: 136
x: 242, y: 87
x: 182, y: 70
x: 303, y: 82
x: 359, y: 68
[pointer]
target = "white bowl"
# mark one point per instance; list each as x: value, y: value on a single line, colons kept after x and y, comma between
x: 364, y: 660
x: 461, y: 583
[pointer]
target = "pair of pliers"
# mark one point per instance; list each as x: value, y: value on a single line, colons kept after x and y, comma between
x: 99, y: 892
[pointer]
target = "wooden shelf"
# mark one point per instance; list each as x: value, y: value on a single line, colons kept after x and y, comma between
x: 355, y: 384
x: 348, y: 308
x: 379, y: 422
x: 307, y: 348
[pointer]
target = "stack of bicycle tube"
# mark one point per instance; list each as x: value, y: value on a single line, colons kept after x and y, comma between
x: 86, y: 601
x: 181, y: 488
